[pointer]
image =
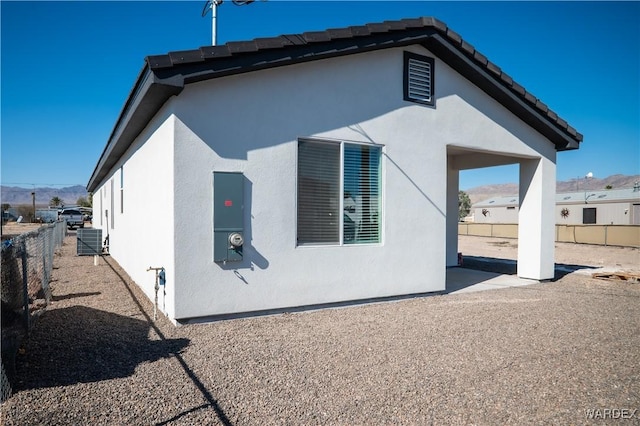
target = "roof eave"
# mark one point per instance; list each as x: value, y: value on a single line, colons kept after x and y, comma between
x: 230, y: 64
x: 148, y: 95
x: 502, y: 93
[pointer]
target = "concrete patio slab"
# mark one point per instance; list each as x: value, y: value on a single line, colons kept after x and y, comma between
x: 464, y: 280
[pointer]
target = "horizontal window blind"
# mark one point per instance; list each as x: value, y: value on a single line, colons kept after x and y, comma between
x: 361, y: 194
x: 318, y: 193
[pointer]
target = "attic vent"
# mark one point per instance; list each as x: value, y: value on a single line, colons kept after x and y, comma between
x: 418, y: 79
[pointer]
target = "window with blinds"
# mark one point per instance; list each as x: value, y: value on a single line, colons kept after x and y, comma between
x: 338, y: 193
x: 318, y: 193
x: 418, y: 79
x: 361, y: 189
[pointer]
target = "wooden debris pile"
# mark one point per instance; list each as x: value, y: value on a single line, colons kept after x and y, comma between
x: 618, y: 276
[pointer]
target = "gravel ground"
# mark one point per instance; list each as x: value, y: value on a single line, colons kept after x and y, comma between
x: 540, y: 354
x: 567, y: 254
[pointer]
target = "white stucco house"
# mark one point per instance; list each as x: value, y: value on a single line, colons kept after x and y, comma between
x: 318, y: 168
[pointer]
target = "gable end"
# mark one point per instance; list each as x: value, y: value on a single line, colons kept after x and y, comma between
x: 164, y: 76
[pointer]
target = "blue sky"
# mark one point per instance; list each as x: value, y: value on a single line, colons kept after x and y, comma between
x: 67, y: 69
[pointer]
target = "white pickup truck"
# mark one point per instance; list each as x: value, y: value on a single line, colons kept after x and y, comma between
x: 73, y: 217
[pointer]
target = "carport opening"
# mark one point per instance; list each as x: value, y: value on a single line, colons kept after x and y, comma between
x: 528, y: 222
x: 491, y: 179
x: 495, y: 189
x: 488, y: 234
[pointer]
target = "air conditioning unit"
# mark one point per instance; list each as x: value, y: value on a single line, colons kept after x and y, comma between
x: 89, y: 242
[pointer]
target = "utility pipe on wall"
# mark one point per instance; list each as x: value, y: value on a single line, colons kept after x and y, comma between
x: 160, y: 280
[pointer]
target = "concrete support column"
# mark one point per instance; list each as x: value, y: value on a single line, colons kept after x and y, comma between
x: 536, y: 229
x: 453, y: 178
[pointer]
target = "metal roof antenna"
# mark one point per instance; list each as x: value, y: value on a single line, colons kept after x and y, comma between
x: 213, y: 6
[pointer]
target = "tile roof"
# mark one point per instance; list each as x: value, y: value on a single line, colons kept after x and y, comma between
x: 165, y: 75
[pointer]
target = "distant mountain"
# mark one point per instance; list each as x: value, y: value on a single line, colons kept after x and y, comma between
x: 615, y: 181
x: 15, y: 195
x: 481, y: 193
x: 484, y: 192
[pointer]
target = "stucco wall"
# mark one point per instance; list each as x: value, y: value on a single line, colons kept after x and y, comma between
x: 250, y: 123
x: 481, y: 133
x: 142, y: 235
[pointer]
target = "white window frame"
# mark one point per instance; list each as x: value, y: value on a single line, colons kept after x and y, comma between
x: 340, y: 242
x: 121, y: 189
x: 112, y: 207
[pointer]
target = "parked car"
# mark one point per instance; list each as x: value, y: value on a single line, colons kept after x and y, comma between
x: 73, y: 217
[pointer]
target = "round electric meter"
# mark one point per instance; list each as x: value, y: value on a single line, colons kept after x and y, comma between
x: 235, y: 239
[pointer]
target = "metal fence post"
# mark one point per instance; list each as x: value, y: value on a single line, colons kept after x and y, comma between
x: 45, y: 282
x: 25, y: 284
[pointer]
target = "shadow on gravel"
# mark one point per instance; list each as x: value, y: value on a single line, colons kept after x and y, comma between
x: 211, y: 401
x: 81, y: 345
x: 74, y: 295
x: 510, y: 267
x: 563, y: 269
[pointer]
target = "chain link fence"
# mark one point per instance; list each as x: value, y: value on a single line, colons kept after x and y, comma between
x: 27, y: 262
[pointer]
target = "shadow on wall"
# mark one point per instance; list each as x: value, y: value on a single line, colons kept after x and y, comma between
x: 477, y: 100
x: 275, y: 106
x: 360, y: 130
x: 82, y: 345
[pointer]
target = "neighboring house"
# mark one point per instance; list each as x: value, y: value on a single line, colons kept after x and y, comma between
x: 317, y: 168
x: 605, y: 207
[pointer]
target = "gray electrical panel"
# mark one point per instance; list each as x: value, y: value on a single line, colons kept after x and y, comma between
x: 89, y: 242
x: 228, y: 216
